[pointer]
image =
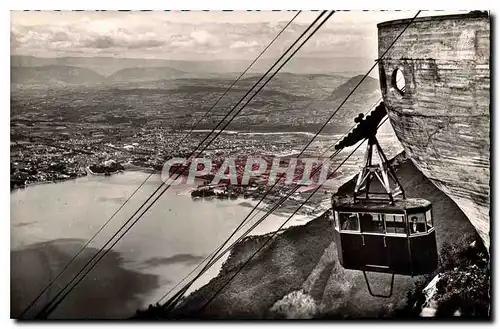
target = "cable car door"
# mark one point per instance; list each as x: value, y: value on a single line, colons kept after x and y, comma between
x: 376, y: 252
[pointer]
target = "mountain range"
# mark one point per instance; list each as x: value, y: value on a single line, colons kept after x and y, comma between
x: 108, y: 70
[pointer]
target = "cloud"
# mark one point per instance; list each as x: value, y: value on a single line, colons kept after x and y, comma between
x: 243, y: 44
x: 101, y: 42
x: 195, y: 41
x: 139, y: 44
x: 14, y: 41
x: 159, y: 36
x: 204, y: 38
x: 60, y: 36
x: 104, y: 42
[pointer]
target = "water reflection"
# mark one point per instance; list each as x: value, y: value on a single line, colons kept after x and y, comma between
x: 109, y: 291
x: 167, y: 243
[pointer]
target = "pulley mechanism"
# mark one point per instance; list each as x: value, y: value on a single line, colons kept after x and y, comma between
x: 380, y: 169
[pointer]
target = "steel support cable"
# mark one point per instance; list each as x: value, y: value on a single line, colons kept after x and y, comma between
x: 246, y: 220
x: 310, y: 142
x: 212, y: 255
x: 155, y: 171
x: 172, y: 302
x: 276, y: 206
x: 351, y: 92
x: 270, y: 211
x: 284, y: 198
x: 47, y: 309
x: 212, y: 140
x: 192, y: 154
x: 371, y: 69
x: 269, y: 239
x: 279, y: 228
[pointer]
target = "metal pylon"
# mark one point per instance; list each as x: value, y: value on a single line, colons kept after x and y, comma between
x: 382, y: 171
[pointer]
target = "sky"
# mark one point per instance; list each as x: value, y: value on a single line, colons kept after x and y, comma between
x: 194, y: 35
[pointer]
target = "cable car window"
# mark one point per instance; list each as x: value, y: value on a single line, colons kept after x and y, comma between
x: 428, y: 219
x: 395, y: 224
x: 373, y: 223
x: 416, y: 223
x: 349, y: 221
x: 336, y: 219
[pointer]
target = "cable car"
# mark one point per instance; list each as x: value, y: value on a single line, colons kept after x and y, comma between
x: 378, y: 229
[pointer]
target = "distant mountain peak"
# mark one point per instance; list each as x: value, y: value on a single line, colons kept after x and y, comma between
x: 146, y: 74
x: 358, y: 78
x: 55, y: 74
x: 369, y: 85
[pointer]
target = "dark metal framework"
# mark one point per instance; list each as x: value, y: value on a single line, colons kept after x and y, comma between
x: 365, y: 241
x: 382, y: 171
x: 379, y: 295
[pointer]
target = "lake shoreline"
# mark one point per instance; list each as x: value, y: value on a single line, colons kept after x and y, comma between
x: 78, y: 208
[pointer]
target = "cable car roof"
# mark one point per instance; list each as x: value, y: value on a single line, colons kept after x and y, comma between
x: 399, y: 206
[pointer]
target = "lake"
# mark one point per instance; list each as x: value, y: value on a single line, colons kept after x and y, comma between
x: 51, y: 222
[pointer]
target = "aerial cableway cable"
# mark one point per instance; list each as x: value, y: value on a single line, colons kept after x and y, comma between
x: 291, y: 47
x: 366, y: 75
x: 276, y: 231
x: 170, y: 304
x: 213, y: 254
x: 155, y: 171
x: 269, y: 212
x: 48, y: 308
x: 173, y: 300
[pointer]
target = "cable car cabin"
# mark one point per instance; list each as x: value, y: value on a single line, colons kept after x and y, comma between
x: 396, y: 238
x: 378, y: 229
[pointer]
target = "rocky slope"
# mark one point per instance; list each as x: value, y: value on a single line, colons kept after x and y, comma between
x: 298, y: 275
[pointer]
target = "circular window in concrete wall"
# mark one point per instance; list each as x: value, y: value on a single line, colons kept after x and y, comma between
x: 398, y: 81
